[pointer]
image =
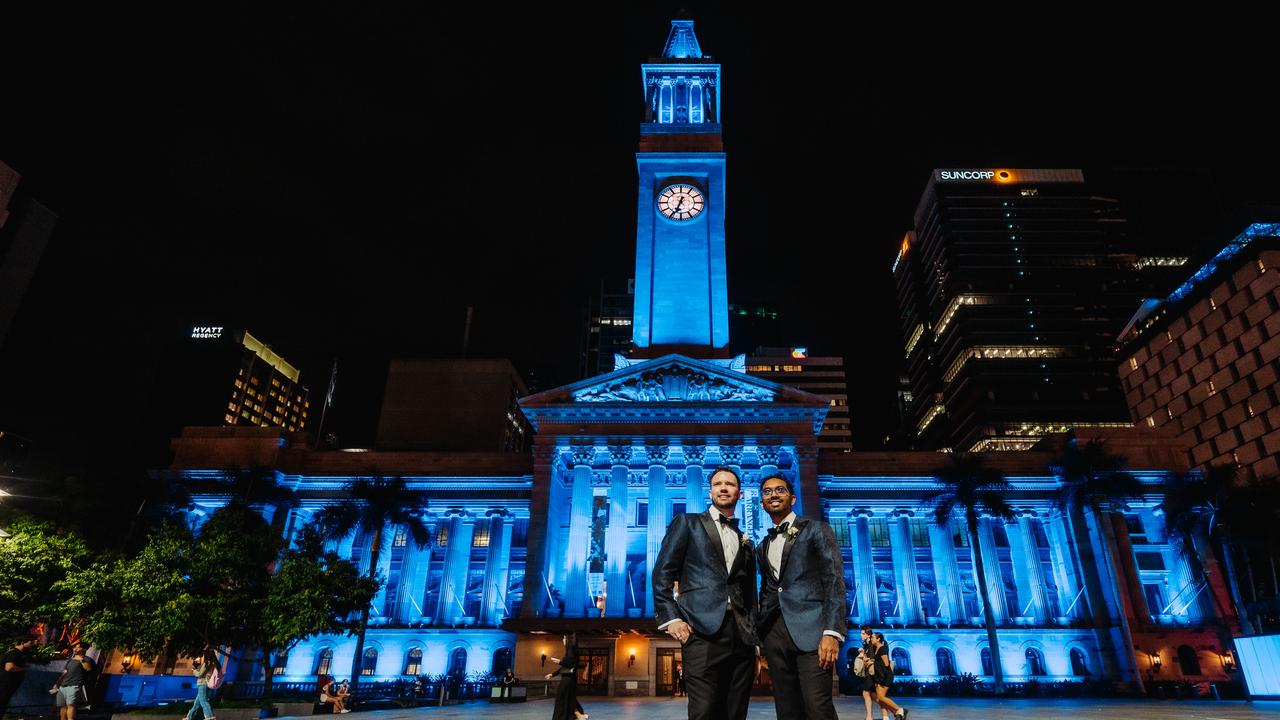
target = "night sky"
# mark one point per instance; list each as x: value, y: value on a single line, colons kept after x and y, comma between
x: 345, y: 182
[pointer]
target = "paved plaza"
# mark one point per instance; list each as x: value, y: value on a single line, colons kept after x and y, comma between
x: 852, y: 709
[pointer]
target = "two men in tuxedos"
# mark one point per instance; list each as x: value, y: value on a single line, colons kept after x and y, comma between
x: 802, y: 615
x: 714, y: 616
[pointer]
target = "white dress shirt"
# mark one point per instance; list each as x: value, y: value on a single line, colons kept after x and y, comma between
x: 729, y: 539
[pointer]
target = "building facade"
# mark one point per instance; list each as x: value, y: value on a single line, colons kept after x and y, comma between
x: 1012, y: 286
x: 822, y: 376
x: 531, y: 546
x: 1205, y: 360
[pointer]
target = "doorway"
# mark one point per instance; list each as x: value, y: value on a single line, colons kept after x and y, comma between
x: 668, y: 659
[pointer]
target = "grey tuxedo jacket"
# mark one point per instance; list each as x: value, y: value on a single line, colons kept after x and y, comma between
x: 693, y: 555
x: 809, y: 589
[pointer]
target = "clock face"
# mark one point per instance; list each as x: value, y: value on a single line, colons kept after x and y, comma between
x: 681, y: 202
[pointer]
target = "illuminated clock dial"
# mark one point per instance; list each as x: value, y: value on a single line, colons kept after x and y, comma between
x: 681, y: 202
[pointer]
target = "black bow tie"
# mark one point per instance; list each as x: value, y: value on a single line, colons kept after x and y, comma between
x: 773, y: 531
x: 731, y: 522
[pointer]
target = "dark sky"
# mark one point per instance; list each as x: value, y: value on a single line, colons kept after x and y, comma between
x: 345, y: 181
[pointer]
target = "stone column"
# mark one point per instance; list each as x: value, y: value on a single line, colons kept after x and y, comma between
x: 493, y: 602
x: 696, y: 499
x: 1183, y: 596
x: 864, y: 568
x: 615, y: 567
x: 946, y: 573
x: 545, y: 494
x: 453, y: 584
x: 1071, y: 602
x: 413, y: 580
x: 985, y: 544
x: 577, y: 598
x: 904, y: 566
x: 1032, y: 594
x: 657, y: 528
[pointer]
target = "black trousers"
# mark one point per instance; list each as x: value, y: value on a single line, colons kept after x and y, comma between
x: 718, y: 672
x: 801, y: 689
x: 566, y: 697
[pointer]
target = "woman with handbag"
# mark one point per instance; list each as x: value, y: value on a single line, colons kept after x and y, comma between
x: 204, y: 668
x: 882, y: 675
x: 567, y: 706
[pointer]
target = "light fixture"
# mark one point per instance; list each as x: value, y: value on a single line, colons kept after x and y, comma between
x: 1229, y: 661
x: 126, y: 663
x: 1155, y: 662
x: 632, y: 661
x: 544, y: 658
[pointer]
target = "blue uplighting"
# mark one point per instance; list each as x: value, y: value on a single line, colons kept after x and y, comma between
x: 1232, y: 249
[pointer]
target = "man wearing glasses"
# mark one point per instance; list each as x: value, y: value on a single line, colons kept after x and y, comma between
x: 802, y: 619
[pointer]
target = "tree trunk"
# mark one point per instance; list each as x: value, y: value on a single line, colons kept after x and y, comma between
x: 1229, y: 563
x: 988, y: 615
x: 268, y: 677
x: 357, y: 663
x: 1106, y: 530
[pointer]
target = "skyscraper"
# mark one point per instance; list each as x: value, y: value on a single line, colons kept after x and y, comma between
x: 822, y: 376
x: 25, y: 228
x: 1012, y: 286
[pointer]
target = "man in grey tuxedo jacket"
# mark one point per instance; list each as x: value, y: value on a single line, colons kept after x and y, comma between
x: 713, y: 618
x: 802, y: 619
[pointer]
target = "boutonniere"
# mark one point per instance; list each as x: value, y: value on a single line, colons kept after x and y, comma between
x: 746, y: 541
x: 792, y: 532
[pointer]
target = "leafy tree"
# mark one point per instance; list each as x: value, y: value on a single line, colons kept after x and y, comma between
x: 370, y: 507
x: 971, y: 488
x: 34, y: 561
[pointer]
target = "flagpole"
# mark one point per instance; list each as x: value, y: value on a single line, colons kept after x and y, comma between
x: 328, y: 400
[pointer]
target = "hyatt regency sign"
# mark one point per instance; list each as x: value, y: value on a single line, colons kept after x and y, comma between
x: 200, y: 332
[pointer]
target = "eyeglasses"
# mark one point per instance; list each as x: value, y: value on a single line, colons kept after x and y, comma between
x: 776, y: 490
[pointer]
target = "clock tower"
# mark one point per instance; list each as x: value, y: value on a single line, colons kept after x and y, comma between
x: 681, y: 286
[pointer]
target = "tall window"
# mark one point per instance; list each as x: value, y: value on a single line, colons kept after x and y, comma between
x: 1078, y: 665
x: 413, y: 662
x: 901, y: 661
x: 1035, y: 663
x: 987, y: 665
x: 370, y: 662
x: 458, y: 662
x: 946, y: 661
x: 323, y: 661
x: 501, y: 661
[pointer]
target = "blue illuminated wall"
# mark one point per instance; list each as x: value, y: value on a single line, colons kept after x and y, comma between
x: 1259, y: 658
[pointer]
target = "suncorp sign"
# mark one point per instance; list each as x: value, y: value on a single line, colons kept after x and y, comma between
x: 975, y: 175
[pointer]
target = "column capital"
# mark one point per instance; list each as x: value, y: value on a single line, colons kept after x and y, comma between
x: 694, y: 454
x: 731, y: 454
x: 583, y: 454
x: 620, y: 454
x: 1026, y: 512
x: 657, y: 454
x: 497, y: 512
x: 902, y: 513
x: 768, y: 454
x: 862, y: 512
x: 456, y: 512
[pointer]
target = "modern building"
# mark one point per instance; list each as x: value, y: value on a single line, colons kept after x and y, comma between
x: 821, y: 376
x: 563, y: 539
x: 464, y: 405
x: 1205, y: 359
x: 25, y: 229
x: 1011, y: 288
x: 607, y: 329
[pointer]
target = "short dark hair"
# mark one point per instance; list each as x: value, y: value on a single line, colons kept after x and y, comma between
x: 776, y: 476
x: 866, y: 628
x: 725, y: 468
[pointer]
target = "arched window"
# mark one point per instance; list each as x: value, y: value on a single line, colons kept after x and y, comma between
x: 458, y: 662
x: 1188, y: 661
x: 370, y: 662
x: 988, y: 667
x: 323, y: 661
x: 413, y: 662
x: 1078, y: 665
x: 901, y: 661
x: 946, y: 661
x: 1035, y: 663
x: 501, y: 661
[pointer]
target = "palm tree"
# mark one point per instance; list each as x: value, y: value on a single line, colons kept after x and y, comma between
x: 1208, y: 507
x: 1093, y: 481
x: 369, y: 508
x: 972, y: 488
